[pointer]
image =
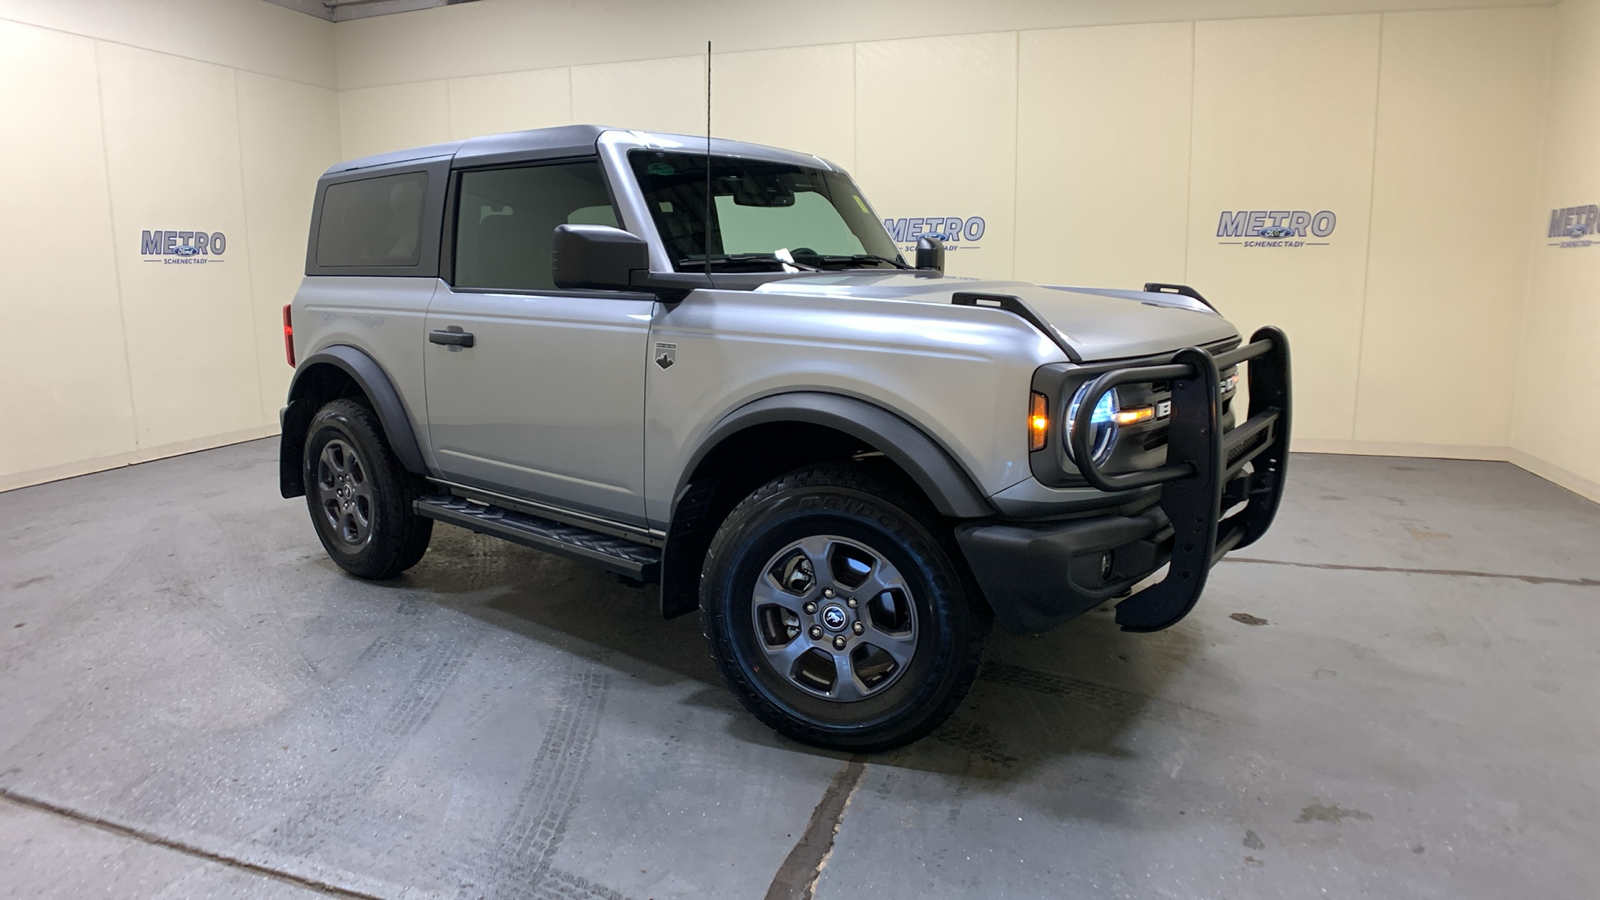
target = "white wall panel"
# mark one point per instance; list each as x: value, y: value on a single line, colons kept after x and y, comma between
x: 66, y: 395
x: 243, y: 34
x: 279, y: 168
x: 1284, y: 121
x: 1103, y: 154
x: 513, y: 35
x: 381, y: 119
x: 192, y: 347
x: 1556, y: 432
x: 492, y: 104
x: 936, y: 130
x: 801, y: 99
x: 1094, y: 155
x: 1460, y: 110
x: 651, y: 95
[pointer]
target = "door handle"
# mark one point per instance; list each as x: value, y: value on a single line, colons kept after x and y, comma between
x: 451, y: 337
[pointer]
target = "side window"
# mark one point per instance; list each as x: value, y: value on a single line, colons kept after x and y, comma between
x: 372, y: 222
x: 506, y: 222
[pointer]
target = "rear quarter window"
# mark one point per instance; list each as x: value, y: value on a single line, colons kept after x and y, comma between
x: 373, y: 222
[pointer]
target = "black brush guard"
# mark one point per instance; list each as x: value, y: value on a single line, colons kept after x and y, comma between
x: 1204, y: 475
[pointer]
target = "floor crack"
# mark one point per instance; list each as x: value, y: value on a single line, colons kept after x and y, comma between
x: 1448, y: 573
x: 797, y: 878
x: 146, y: 837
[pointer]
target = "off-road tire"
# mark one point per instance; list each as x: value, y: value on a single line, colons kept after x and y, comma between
x: 840, y: 500
x: 396, y: 537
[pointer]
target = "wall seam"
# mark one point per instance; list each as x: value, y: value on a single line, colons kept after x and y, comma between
x: 1188, y: 184
x: 571, y: 110
x: 449, y: 111
x: 1524, y: 310
x: 1016, y: 144
x: 116, y: 255
x: 572, y: 93
x: 249, y: 257
x: 209, y: 62
x: 855, y: 106
x: 1366, y: 257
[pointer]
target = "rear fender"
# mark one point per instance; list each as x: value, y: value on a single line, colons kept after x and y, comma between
x: 307, y: 393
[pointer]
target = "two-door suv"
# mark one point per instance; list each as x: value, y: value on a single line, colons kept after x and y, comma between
x: 705, y: 365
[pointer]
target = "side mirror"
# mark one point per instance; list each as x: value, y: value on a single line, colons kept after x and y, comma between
x: 930, y: 253
x: 597, y: 257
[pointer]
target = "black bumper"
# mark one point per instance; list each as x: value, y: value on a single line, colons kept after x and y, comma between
x: 1219, y: 492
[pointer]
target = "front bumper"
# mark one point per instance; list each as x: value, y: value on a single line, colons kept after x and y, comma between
x: 1219, y: 492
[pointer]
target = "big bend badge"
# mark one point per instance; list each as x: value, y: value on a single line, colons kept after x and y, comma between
x: 666, y: 355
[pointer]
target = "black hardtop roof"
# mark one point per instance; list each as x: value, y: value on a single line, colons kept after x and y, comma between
x: 564, y: 140
x: 545, y: 143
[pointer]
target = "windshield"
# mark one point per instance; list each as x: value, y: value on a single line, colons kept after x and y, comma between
x: 764, y: 216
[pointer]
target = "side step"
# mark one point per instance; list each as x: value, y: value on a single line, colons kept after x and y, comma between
x: 616, y: 554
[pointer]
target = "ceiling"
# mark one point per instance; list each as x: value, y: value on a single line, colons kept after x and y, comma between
x: 345, y: 10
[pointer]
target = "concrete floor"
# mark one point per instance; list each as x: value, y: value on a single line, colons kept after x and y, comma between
x: 195, y: 702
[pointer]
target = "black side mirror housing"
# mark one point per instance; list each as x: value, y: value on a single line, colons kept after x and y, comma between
x: 930, y: 253
x: 598, y: 258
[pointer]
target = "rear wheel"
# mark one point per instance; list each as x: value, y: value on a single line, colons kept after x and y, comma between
x: 359, y: 496
x: 836, y: 614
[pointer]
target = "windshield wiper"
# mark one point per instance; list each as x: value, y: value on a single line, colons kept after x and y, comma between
x: 865, y: 257
x: 689, y: 263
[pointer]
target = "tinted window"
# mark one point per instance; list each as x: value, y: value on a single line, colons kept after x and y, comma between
x: 507, y: 220
x: 373, y: 222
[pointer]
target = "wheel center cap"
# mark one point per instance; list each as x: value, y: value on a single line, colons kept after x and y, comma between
x: 834, y: 618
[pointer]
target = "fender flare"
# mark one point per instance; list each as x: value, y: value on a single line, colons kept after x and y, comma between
x: 930, y: 465
x: 374, y: 382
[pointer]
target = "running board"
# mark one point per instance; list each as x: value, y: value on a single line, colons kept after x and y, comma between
x: 616, y: 554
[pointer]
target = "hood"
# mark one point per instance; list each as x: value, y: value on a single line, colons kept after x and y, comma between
x: 1100, y: 324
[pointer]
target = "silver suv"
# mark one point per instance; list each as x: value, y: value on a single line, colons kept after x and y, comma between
x: 706, y: 365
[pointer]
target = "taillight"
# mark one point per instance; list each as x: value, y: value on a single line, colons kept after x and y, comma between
x: 288, y: 335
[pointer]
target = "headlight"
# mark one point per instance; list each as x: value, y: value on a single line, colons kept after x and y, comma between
x: 1102, y: 424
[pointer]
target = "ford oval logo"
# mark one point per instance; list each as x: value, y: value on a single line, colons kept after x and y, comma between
x: 186, y: 251
x: 1275, y: 231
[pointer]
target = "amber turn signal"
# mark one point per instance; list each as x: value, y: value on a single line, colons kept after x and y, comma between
x: 1134, y: 416
x: 1038, y: 422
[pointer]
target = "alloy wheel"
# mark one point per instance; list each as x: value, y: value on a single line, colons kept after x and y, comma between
x: 834, y: 617
x: 344, y: 493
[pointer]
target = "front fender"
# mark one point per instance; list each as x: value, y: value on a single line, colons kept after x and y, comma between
x: 930, y: 465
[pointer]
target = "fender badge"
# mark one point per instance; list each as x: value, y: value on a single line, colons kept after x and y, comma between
x: 666, y: 355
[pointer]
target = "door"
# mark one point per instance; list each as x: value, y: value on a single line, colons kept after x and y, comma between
x: 534, y: 391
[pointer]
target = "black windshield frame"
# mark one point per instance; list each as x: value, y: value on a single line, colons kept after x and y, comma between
x: 673, y: 185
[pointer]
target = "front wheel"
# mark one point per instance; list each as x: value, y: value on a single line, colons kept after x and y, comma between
x: 836, y: 615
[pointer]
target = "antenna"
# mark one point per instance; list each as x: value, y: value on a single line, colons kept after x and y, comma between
x: 707, y: 234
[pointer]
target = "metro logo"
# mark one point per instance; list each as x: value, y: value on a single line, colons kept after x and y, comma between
x: 182, y: 246
x: 1277, y: 223
x: 951, y: 228
x: 1574, y: 226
